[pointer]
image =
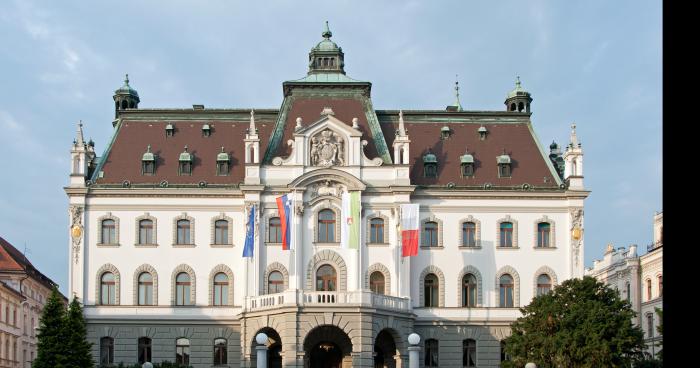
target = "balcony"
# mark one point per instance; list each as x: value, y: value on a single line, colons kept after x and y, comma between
x: 327, y: 298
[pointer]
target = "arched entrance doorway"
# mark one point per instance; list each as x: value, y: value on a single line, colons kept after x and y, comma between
x: 274, y: 348
x: 384, y: 350
x: 327, y: 347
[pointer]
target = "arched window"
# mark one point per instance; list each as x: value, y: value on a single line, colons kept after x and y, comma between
x: 183, y: 232
x: 376, y: 282
x: 109, y: 235
x: 512, y: 107
x: 521, y: 106
x: 146, y: 232
x: 430, y: 234
x: 145, y: 289
x: 506, y: 234
x: 469, y: 290
x: 220, y: 352
x: 544, y: 284
x: 108, y: 289
x: 144, y: 352
x: 183, y: 286
x: 220, y: 289
x: 468, y: 353
x: 431, y: 288
x: 182, y: 351
x: 106, y: 350
x: 430, y: 170
x: 506, y: 291
x: 648, y: 289
x: 661, y: 285
x: 275, y: 282
x: 221, y: 232
x: 376, y: 230
x: 326, y: 226
x: 274, y: 230
x: 543, y: 231
x: 431, y: 353
x: 326, y: 278
x: 468, y: 234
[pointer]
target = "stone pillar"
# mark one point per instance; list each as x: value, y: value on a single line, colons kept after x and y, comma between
x: 261, y: 350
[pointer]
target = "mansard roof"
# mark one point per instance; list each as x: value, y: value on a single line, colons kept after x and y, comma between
x: 143, y: 127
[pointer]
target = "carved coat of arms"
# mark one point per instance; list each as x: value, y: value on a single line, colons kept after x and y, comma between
x: 327, y: 149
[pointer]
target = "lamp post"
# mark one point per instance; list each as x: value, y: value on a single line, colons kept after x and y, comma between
x: 261, y: 350
x: 413, y: 351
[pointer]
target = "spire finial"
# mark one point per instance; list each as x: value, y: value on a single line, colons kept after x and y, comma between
x: 126, y: 79
x: 573, y: 141
x: 457, y: 103
x: 402, y: 128
x: 222, y: 149
x: 148, y: 149
x: 79, y: 134
x: 185, y: 148
x: 327, y: 32
x: 517, y: 82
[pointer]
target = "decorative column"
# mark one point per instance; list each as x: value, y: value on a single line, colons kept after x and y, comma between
x: 261, y: 350
x: 414, y: 351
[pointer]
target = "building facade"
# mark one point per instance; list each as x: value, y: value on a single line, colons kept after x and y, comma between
x: 158, y: 224
x: 639, y: 279
x: 24, y: 292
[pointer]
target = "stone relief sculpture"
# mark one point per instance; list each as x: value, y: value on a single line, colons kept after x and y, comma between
x: 76, y: 229
x: 327, y: 149
x: 326, y: 188
x: 576, y: 232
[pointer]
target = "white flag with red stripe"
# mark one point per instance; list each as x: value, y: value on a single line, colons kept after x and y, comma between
x: 410, y: 230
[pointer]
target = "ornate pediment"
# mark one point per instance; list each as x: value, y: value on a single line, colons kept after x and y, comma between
x: 326, y: 188
x: 327, y: 149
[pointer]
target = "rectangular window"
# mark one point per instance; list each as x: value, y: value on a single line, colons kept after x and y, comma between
x: 650, y: 324
x: 506, y: 234
x: 144, y: 350
x: 106, y: 350
x: 221, y: 232
x: 468, y: 234
x: 222, y: 168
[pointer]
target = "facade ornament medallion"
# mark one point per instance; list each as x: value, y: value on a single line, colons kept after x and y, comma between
x: 326, y: 188
x: 576, y: 231
x: 327, y: 149
x: 76, y: 229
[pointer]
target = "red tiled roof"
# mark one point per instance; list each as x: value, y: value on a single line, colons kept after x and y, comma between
x: 528, y: 164
x: 123, y: 162
x: 13, y: 260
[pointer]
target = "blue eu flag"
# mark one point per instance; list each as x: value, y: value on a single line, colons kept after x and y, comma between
x: 250, y: 234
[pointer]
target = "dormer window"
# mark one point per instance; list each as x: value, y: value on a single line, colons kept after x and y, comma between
x: 483, y: 132
x: 185, y: 163
x: 206, y: 130
x: 169, y: 130
x: 430, y: 165
x: 222, y: 163
x: 148, y: 162
x: 504, y: 165
x: 445, y: 132
x: 467, y: 165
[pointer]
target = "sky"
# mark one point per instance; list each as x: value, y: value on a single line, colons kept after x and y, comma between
x: 596, y: 63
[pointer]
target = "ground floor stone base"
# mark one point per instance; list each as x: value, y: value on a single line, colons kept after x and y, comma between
x: 303, y: 338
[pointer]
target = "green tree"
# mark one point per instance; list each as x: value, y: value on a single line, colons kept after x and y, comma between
x: 76, y: 337
x: 581, y: 323
x: 52, y: 352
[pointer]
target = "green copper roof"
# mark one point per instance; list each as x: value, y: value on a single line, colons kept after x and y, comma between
x: 429, y: 158
x: 223, y: 156
x: 503, y: 159
x: 518, y: 90
x: 126, y: 88
x: 148, y: 156
x: 466, y: 159
x: 185, y: 156
x: 327, y: 78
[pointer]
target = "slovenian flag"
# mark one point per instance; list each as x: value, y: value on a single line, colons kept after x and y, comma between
x: 283, y: 206
x: 250, y: 234
x: 410, y: 231
x: 350, y: 220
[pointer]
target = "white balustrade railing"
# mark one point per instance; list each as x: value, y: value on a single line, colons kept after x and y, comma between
x: 338, y: 298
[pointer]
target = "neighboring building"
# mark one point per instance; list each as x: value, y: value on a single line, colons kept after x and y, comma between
x: 158, y: 226
x: 10, y: 332
x: 32, y: 288
x: 638, y: 279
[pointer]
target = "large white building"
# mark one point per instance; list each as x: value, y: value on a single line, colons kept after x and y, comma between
x: 639, y: 279
x: 158, y: 226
